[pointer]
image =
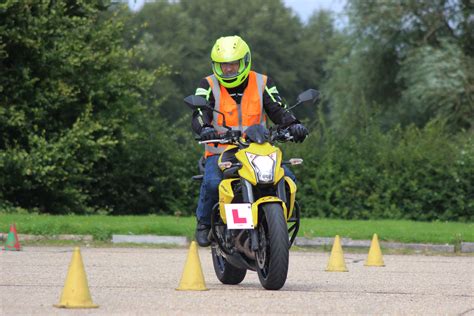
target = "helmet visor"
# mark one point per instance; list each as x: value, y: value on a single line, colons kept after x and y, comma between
x: 229, y: 70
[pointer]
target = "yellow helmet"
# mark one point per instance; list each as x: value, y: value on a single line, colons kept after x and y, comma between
x: 230, y: 49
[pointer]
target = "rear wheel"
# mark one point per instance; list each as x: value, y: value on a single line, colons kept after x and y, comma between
x: 225, y: 272
x: 273, y: 252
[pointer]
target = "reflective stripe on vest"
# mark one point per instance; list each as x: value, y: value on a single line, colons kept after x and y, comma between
x: 248, y: 100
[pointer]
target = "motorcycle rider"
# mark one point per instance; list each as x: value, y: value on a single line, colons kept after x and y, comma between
x: 243, y: 96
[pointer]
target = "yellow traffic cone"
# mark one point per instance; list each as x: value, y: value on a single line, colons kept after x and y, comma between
x: 76, y: 291
x: 374, y: 259
x: 336, y: 260
x: 192, y: 278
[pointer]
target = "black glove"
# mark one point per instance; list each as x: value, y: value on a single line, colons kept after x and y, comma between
x: 208, y: 133
x: 299, y: 132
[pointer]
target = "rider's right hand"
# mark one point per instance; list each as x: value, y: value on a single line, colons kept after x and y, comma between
x: 208, y: 133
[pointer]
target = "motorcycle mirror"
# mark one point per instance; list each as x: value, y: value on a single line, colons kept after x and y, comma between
x: 196, y: 102
x: 309, y: 95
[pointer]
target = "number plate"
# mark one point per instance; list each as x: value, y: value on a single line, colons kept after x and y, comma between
x: 239, y: 216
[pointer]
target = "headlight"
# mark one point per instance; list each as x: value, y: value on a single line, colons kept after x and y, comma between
x: 264, y: 166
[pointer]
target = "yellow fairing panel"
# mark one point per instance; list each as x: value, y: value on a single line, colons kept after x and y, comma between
x: 226, y: 195
x: 266, y: 199
x: 266, y: 149
x: 293, y: 189
x: 229, y: 147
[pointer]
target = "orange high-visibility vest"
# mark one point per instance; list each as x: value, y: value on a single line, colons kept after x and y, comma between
x: 237, y: 116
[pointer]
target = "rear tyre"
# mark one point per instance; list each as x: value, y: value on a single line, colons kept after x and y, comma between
x: 273, y: 252
x: 225, y: 272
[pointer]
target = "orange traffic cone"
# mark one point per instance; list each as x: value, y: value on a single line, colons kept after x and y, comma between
x: 192, y: 278
x: 76, y: 291
x: 12, y: 243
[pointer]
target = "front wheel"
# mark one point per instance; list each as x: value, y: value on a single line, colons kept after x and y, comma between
x: 273, y: 252
x: 225, y: 272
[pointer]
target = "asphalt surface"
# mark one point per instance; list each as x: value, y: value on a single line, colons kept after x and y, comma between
x: 138, y: 281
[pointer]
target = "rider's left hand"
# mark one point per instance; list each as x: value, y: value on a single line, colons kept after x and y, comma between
x: 299, y: 132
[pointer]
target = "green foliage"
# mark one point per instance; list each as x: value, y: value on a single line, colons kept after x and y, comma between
x: 54, y: 173
x: 403, y: 63
x: 435, y: 80
x: 149, y: 173
x: 411, y: 173
x: 71, y: 111
x: 92, y: 121
x: 409, y: 59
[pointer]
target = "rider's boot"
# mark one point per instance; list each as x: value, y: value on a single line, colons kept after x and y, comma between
x: 202, y: 234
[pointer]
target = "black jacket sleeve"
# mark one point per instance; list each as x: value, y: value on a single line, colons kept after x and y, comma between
x: 203, y: 118
x: 274, y: 105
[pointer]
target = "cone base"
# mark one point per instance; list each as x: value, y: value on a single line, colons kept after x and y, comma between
x: 192, y: 289
x: 76, y: 306
x: 12, y: 249
x: 374, y: 265
x: 337, y: 270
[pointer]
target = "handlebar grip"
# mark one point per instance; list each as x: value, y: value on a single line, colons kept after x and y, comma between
x: 283, y: 135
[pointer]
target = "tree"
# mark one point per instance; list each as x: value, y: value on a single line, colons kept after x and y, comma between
x: 436, y: 80
x: 372, y: 67
x: 68, y: 92
x: 319, y: 41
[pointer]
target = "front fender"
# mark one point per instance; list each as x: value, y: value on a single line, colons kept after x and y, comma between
x: 263, y: 200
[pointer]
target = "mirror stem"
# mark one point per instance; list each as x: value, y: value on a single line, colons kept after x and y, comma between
x: 291, y: 107
x: 223, y: 119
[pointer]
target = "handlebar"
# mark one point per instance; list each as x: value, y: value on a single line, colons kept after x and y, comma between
x: 281, y: 135
x: 277, y: 135
x: 220, y: 141
x: 228, y: 137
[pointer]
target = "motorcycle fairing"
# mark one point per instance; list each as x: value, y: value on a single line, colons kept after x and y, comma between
x: 255, y: 205
x: 247, y: 172
x: 226, y: 195
x: 227, y: 155
x: 263, y: 200
x: 292, y: 185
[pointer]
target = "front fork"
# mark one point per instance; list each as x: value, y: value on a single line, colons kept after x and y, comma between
x: 247, y: 195
x: 294, y: 220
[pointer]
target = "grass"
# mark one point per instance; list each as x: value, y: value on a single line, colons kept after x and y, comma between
x: 102, y: 227
x: 391, y: 230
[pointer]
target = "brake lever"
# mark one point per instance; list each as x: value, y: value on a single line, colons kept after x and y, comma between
x: 220, y: 141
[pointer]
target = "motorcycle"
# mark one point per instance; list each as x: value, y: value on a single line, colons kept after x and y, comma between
x: 257, y: 217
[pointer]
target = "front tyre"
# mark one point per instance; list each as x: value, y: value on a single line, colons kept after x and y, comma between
x: 225, y: 272
x: 273, y: 252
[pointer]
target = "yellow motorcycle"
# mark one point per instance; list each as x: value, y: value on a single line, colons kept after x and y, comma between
x: 257, y: 217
